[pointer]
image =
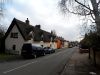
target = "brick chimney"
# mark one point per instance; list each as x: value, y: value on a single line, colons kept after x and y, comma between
x: 38, y: 26
x: 27, y: 21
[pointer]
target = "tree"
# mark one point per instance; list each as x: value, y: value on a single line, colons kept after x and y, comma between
x: 2, y: 4
x: 88, y: 8
x: 2, y: 33
x: 2, y: 7
x: 2, y: 28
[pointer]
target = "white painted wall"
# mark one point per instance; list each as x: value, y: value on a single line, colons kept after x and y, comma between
x: 9, y: 42
x: 53, y: 45
x: 45, y: 44
x: 66, y: 44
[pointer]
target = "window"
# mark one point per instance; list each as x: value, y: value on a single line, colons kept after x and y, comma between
x: 14, y: 47
x: 42, y: 46
x: 14, y: 35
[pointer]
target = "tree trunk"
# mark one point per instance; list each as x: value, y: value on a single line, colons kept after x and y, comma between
x: 89, y: 53
x: 98, y: 26
x: 94, y: 57
x: 96, y: 14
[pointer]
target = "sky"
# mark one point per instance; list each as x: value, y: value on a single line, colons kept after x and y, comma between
x: 46, y: 13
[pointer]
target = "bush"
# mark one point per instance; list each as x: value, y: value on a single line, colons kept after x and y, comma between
x: 91, y: 40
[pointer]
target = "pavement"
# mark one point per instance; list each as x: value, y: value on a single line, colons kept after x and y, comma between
x: 79, y: 64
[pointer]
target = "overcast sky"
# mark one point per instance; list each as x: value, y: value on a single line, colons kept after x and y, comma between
x: 47, y: 14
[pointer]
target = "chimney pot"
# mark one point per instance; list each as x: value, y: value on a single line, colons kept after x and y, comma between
x: 27, y: 21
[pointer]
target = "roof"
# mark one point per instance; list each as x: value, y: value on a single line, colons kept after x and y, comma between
x: 25, y: 29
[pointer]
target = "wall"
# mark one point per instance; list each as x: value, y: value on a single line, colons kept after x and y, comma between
x: 9, y: 42
x: 66, y: 44
x: 45, y: 44
x: 59, y: 45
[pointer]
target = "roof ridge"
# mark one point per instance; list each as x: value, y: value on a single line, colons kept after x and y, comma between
x: 22, y: 21
x: 30, y: 25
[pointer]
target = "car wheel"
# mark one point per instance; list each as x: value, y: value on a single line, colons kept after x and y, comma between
x: 50, y: 52
x: 35, y: 56
x: 43, y: 53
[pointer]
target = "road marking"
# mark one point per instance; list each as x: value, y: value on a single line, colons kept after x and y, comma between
x: 5, y: 72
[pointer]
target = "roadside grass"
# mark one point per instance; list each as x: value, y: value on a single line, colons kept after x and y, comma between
x: 4, y: 56
x: 8, y: 57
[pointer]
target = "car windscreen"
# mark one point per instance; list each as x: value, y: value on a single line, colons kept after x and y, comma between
x: 27, y: 47
x: 39, y: 48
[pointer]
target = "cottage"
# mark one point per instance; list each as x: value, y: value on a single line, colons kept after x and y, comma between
x: 20, y: 32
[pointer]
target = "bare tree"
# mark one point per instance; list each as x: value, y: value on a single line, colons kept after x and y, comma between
x: 2, y: 4
x: 88, y: 8
x: 2, y: 28
x: 2, y: 33
x: 2, y: 7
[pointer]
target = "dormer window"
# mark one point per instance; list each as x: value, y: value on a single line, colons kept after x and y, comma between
x: 14, y: 35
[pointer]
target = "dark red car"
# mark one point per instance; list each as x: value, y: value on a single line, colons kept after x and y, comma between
x: 83, y: 49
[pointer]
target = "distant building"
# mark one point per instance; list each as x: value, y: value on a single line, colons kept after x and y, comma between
x: 66, y: 43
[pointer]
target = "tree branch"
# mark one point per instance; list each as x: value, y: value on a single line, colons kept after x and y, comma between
x: 98, y: 2
x: 92, y: 16
x: 72, y: 11
x: 83, y: 5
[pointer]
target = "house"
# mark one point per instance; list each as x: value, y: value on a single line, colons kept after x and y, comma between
x: 59, y: 42
x: 66, y: 43
x: 20, y: 32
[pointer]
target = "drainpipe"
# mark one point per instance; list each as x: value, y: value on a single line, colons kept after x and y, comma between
x: 42, y: 42
x: 94, y: 57
x: 51, y: 42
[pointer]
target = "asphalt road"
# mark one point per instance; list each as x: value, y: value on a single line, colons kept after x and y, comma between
x: 51, y: 64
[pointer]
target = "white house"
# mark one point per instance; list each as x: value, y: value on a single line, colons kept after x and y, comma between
x: 20, y: 32
x: 66, y: 43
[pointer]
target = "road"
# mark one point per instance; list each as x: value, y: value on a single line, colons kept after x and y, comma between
x: 51, y: 64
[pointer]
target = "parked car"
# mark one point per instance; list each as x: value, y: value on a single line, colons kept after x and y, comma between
x: 48, y: 50
x: 30, y: 50
x: 83, y: 49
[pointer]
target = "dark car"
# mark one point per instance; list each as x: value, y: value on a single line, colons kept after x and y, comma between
x: 48, y: 50
x: 39, y: 51
x: 83, y: 48
x: 30, y: 50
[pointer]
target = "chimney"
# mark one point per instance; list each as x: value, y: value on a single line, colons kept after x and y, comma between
x: 38, y: 26
x: 27, y: 21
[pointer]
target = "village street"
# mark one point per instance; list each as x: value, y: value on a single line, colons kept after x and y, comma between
x: 52, y: 64
x: 49, y: 37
